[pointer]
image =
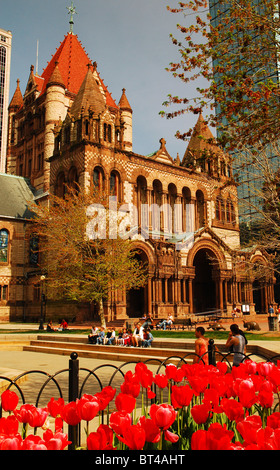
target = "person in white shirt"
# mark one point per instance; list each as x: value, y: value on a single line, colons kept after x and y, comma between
x: 138, y: 335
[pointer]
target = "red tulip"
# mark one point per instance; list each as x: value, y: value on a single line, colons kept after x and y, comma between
x: 105, y: 396
x: 134, y: 437
x: 9, y: 400
x: 33, y: 443
x: 198, y: 383
x: 151, y: 430
x: 87, y: 407
x: 54, y: 406
x: 248, y: 428
x: 171, y: 437
x: 145, y: 376
x: 23, y: 414
x: 147, y: 379
x: 163, y: 416
x: 125, y: 403
x: 246, y: 393
x: 161, y: 380
x: 102, y: 439
x: 37, y: 417
x: 233, y: 409
x: 265, y: 368
x: 216, y: 438
x: 69, y: 414
x: 181, y: 396
x: 273, y: 420
x: 11, y: 443
x: 119, y: 421
x: 55, y: 441
x: 200, y: 413
x: 199, y: 440
x: 131, y: 385
x: 172, y: 373
x: 9, y: 425
x: 266, y: 396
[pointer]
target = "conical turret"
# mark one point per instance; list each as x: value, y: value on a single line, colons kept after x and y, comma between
x: 126, y: 120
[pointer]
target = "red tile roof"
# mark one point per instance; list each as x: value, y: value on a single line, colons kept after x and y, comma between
x: 73, y: 65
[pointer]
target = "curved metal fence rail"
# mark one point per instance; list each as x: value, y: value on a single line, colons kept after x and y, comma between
x: 113, y: 375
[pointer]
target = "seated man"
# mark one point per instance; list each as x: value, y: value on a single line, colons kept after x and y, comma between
x: 148, y: 338
x: 168, y: 322
x: 93, y: 335
x: 100, y: 336
x: 112, y: 338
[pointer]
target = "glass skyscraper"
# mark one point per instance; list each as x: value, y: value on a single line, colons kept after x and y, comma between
x: 248, y: 176
x: 5, y: 65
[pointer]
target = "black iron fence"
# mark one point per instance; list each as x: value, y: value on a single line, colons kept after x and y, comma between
x: 76, y: 379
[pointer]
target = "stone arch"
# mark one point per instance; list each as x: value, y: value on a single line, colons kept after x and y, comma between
x: 262, y: 285
x: 60, y: 184
x: 207, y: 290
x: 209, y: 245
x: 139, y: 301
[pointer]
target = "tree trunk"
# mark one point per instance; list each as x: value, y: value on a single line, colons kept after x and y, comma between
x: 101, y: 313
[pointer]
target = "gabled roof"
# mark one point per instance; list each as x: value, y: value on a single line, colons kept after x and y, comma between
x: 162, y: 155
x: 15, y: 197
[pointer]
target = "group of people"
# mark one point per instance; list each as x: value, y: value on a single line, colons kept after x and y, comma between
x: 141, y: 336
x: 62, y: 327
x: 236, y: 343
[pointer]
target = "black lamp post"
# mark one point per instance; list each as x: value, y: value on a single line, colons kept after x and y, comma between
x: 43, y: 303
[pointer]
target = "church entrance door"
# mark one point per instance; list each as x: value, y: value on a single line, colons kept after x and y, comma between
x: 136, y: 299
x: 204, y: 285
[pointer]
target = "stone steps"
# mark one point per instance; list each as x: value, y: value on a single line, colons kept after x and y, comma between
x: 65, y: 345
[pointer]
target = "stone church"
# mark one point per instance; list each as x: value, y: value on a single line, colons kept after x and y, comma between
x: 66, y: 128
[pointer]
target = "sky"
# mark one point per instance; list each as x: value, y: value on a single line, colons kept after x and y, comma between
x: 129, y: 40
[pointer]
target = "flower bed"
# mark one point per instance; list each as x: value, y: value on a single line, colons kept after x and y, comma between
x: 207, y: 408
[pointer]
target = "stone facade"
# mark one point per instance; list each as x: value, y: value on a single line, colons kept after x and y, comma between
x: 67, y: 129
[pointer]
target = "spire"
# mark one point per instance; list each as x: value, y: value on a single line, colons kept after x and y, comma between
x: 89, y: 97
x: 72, y: 12
x: 124, y: 104
x: 56, y: 78
x: 17, y: 99
x: 201, y: 141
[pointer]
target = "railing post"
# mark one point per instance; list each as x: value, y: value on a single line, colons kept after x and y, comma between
x: 73, y: 391
x: 211, y: 352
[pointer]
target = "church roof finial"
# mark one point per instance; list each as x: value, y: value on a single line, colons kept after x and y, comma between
x: 72, y: 12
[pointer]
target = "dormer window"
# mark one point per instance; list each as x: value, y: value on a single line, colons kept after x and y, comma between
x: 107, y: 132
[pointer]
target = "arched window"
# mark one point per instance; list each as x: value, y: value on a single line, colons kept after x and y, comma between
x: 60, y: 185
x: 4, y: 242
x: 142, y: 201
x: 172, y: 196
x: 230, y: 212
x: 200, y: 216
x: 115, y: 186
x: 107, y: 132
x: 187, y: 213
x: 98, y: 179
x: 34, y: 250
x: 220, y: 209
x: 157, y: 213
x: 73, y: 180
